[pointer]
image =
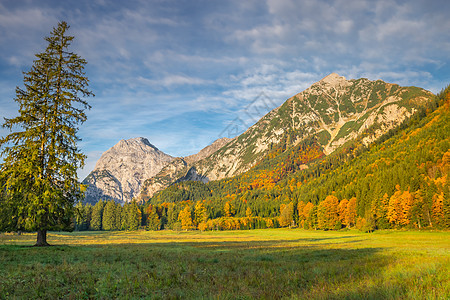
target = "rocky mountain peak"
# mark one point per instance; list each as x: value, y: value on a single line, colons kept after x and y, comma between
x: 332, y: 82
x: 136, y: 142
x: 332, y: 79
x: 121, y: 170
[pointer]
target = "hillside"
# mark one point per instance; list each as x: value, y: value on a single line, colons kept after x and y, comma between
x: 401, y: 180
x: 333, y: 111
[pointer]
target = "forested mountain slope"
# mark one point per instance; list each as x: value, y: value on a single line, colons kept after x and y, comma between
x: 332, y: 111
x: 401, y: 180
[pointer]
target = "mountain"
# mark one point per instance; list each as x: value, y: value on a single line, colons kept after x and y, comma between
x: 334, y: 110
x: 180, y: 169
x: 402, y: 180
x: 121, y: 170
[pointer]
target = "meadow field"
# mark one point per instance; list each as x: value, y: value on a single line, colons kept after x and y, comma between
x: 254, y: 264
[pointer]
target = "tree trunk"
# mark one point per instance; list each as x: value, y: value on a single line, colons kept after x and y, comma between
x: 41, y: 238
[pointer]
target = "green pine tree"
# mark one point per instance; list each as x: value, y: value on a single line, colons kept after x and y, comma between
x: 153, y: 220
x: 41, y: 157
x: 97, y: 215
x: 109, y: 216
x: 82, y: 216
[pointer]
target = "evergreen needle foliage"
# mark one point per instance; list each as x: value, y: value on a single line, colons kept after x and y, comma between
x: 38, y: 176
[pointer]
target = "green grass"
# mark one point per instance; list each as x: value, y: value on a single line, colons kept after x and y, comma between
x: 277, y: 263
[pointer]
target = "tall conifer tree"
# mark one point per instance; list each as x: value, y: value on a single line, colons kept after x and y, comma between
x: 41, y: 157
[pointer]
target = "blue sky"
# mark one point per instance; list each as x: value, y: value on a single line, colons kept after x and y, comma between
x: 180, y: 72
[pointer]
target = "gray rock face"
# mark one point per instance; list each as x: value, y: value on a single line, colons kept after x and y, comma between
x: 179, y: 169
x: 121, y: 170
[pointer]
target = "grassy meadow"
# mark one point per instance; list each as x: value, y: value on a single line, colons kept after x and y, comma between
x: 269, y: 263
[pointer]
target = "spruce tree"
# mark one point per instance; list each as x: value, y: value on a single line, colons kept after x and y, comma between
x: 109, y: 216
x: 41, y: 157
x: 97, y: 215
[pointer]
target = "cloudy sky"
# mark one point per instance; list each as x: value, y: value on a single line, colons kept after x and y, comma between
x: 181, y: 72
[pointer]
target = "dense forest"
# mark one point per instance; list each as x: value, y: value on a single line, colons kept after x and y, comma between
x: 400, y: 181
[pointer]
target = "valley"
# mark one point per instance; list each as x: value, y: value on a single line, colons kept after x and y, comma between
x: 269, y: 263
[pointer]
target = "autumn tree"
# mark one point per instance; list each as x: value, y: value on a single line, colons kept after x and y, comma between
x: 185, y: 217
x: 394, y: 207
x: 41, y: 157
x: 400, y: 206
x: 200, y: 215
x: 327, y: 213
x: 301, y: 218
x: 248, y: 212
x: 350, y: 213
x: 342, y: 211
x: 286, y: 214
x: 228, y: 209
x: 153, y: 219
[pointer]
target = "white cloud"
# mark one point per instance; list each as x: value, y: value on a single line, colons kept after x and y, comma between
x: 175, y: 79
x: 155, y: 63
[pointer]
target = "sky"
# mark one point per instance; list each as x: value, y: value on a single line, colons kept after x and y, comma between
x: 185, y: 73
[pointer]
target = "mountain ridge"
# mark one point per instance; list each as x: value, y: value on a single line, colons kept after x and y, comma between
x: 333, y: 110
x: 356, y: 105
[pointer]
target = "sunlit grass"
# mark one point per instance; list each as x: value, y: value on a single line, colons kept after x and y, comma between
x: 278, y: 263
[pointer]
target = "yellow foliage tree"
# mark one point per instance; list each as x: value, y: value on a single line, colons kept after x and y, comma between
x: 200, y: 214
x: 301, y: 218
x: 307, y: 210
x: 400, y: 206
x: 286, y: 214
x: 350, y: 213
x: 186, y: 219
x: 394, y: 208
x: 228, y: 209
x: 248, y: 212
x: 327, y: 213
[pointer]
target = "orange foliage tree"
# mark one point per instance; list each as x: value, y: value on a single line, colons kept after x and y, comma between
x: 342, y: 210
x: 400, y: 206
x: 309, y: 219
x: 327, y: 213
x: 350, y: 213
x: 248, y: 212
